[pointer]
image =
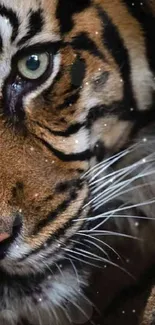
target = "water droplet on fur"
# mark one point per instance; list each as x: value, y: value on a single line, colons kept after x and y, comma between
x: 6, y: 20
x: 87, y: 83
x: 131, y: 109
x: 133, y: 4
x: 123, y: 311
x: 96, y: 33
x: 121, y: 80
x: 60, y: 265
x: 40, y: 299
x: 105, y: 266
x: 136, y: 224
x: 105, y: 124
x: 133, y: 311
x: 45, y: 245
x: 17, y: 246
x: 99, y: 69
x: 53, y: 161
x: 32, y: 149
x: 20, y: 210
x: 76, y: 141
x: 144, y: 160
x: 49, y: 277
x: 144, y: 139
x: 127, y: 260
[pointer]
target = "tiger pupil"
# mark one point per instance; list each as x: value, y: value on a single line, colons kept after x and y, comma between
x: 33, y: 62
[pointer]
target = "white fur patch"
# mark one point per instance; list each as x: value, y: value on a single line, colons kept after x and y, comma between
x: 61, y: 296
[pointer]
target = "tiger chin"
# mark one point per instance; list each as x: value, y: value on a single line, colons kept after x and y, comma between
x: 77, y: 136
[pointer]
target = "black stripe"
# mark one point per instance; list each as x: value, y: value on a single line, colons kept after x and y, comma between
x: 35, y: 26
x: 59, y: 233
x: 147, y: 20
x: 11, y: 15
x: 70, y: 100
x: 140, y: 118
x: 113, y: 41
x: 78, y: 69
x: 83, y: 42
x: 51, y: 47
x: 81, y: 156
x: 77, y: 75
x: 65, y: 11
x: 72, y: 129
x: 59, y: 210
x: 68, y: 185
x: 116, y: 108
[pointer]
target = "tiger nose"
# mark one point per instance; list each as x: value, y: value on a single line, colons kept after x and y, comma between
x: 4, y: 236
x: 8, y: 233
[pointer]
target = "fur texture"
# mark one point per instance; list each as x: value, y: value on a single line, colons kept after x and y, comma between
x: 77, y: 148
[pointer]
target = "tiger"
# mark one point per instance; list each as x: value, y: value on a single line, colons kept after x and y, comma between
x: 77, y: 135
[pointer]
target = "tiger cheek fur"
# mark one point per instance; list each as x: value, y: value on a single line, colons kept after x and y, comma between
x: 76, y: 89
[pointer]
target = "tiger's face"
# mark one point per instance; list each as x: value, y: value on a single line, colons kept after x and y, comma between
x: 72, y: 91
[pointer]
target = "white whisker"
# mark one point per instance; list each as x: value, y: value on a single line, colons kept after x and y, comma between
x: 98, y: 247
x: 108, y: 233
x: 83, y: 261
x: 102, y: 243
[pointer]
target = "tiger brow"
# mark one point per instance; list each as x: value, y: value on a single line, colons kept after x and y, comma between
x: 13, y: 19
x: 35, y: 25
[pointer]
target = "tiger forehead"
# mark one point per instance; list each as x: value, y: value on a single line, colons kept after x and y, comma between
x: 22, y: 6
x: 36, y: 19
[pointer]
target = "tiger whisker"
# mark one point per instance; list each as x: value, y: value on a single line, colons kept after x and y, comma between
x: 98, y: 247
x: 75, y: 271
x: 79, y: 243
x: 103, y: 260
x: 118, y: 155
x: 101, y: 242
x: 140, y: 162
x: 100, y: 216
x: 108, y: 233
x: 83, y: 261
x: 118, y: 185
x: 79, y: 252
x: 152, y: 201
x: 118, y: 193
x: 102, y: 163
x: 106, y: 166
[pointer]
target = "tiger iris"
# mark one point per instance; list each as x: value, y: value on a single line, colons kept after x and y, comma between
x: 77, y: 132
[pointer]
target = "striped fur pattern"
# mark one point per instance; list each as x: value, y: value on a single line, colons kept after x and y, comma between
x: 93, y: 105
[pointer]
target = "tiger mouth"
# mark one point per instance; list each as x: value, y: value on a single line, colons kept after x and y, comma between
x: 7, y: 240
